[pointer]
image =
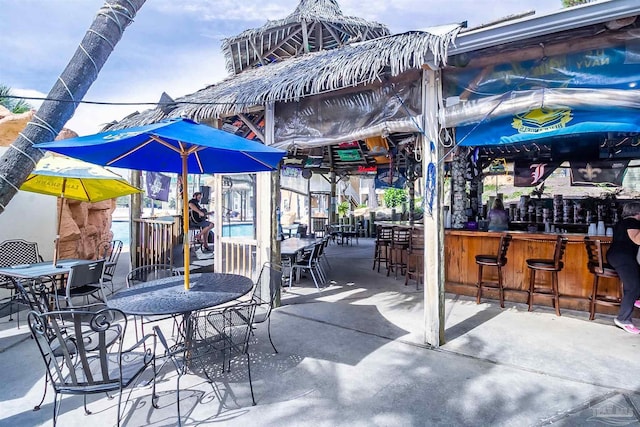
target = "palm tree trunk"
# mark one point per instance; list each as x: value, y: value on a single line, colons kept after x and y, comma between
x: 72, y: 85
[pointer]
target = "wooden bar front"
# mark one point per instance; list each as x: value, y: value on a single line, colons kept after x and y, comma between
x: 575, y: 280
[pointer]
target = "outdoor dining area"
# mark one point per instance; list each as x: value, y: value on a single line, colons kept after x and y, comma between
x: 95, y: 342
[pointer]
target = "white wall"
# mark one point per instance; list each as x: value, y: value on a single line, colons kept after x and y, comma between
x: 31, y: 217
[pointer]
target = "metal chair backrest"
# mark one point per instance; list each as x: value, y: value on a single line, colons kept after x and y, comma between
x: 110, y: 252
x: 302, y: 231
x: 83, y: 354
x: 17, y: 251
x: 270, y: 277
x: 82, y: 275
x: 561, y: 246
x: 150, y: 272
x: 72, y: 366
x: 503, y: 248
x: 35, y: 293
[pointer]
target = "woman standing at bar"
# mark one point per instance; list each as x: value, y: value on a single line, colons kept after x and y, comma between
x: 498, y: 217
x: 622, y: 256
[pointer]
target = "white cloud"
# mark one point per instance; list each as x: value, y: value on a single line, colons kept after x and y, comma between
x: 174, y: 46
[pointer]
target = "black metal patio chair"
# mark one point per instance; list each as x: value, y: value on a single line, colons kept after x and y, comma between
x: 82, y: 356
x: 109, y: 251
x: 213, y: 339
x: 14, y: 252
x: 84, y: 280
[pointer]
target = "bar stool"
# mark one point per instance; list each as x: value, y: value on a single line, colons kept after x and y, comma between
x: 599, y: 268
x: 399, y: 246
x: 415, y: 258
x: 498, y: 260
x: 551, y: 265
x: 383, y: 243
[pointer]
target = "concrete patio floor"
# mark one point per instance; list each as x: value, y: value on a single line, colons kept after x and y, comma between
x: 354, y: 355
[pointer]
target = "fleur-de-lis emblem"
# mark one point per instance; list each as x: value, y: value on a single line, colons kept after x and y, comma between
x: 590, y: 173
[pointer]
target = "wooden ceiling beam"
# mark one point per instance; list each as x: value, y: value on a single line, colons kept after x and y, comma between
x: 252, y: 126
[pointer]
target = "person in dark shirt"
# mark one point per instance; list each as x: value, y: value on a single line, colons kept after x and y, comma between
x: 622, y: 255
x: 198, y: 218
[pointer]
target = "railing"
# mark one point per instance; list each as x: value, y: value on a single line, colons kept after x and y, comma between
x: 239, y: 256
x: 156, y: 240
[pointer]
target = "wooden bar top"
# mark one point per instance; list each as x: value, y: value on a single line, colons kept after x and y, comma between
x: 524, y: 235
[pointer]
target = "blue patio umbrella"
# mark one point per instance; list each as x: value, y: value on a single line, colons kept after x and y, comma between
x: 177, y: 146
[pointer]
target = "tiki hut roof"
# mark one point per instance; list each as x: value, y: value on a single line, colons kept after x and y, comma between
x: 310, y: 74
x: 314, y: 26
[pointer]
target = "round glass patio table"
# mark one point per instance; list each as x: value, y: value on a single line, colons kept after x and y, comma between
x: 167, y: 296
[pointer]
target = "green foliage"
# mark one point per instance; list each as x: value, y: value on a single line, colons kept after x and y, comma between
x: 569, y: 3
x: 16, y: 106
x: 343, y: 208
x: 394, y: 197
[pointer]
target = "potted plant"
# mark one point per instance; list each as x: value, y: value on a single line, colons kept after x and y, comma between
x: 343, y: 208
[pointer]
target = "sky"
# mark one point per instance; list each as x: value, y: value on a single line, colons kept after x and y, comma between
x: 174, y: 46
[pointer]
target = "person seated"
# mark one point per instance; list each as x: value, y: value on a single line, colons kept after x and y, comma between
x: 198, y: 218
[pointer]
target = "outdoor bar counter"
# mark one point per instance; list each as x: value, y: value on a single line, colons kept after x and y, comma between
x: 574, y: 281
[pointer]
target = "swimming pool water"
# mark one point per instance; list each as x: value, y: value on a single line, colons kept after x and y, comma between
x: 120, y: 231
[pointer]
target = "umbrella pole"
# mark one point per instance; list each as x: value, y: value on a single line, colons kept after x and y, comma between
x: 185, y: 222
x: 55, y: 248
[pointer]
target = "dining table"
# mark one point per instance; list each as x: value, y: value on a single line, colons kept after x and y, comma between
x: 167, y: 296
x: 45, y: 277
x: 293, y: 246
x: 41, y: 269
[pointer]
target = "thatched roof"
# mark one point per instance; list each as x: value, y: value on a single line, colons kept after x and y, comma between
x: 315, y: 25
x: 311, y: 74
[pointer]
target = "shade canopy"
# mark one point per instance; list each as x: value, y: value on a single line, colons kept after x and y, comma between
x: 177, y: 145
x: 77, y: 180
x: 160, y: 147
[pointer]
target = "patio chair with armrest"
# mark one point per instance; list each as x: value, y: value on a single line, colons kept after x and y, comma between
x: 38, y: 296
x: 82, y: 359
x: 14, y: 252
x: 110, y: 252
x: 215, y: 337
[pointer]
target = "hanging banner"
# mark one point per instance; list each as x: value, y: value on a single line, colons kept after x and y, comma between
x: 603, y: 172
x: 592, y: 91
x: 390, y: 178
x: 615, y: 67
x: 331, y: 119
x: 157, y: 186
x: 546, y: 123
x: 530, y: 174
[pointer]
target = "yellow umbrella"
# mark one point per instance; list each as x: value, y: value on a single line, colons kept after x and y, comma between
x: 74, y: 179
